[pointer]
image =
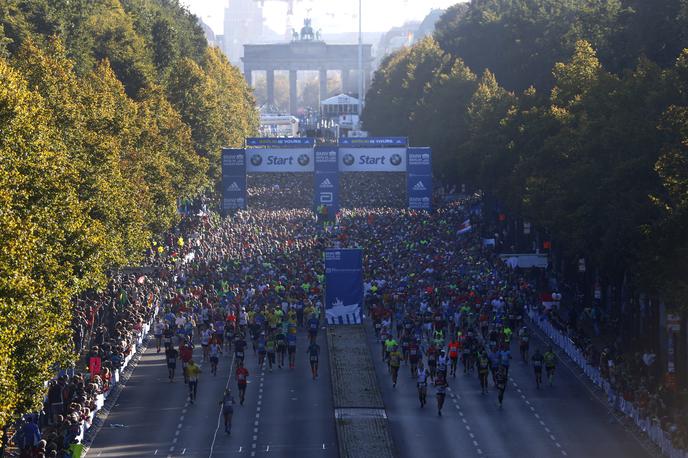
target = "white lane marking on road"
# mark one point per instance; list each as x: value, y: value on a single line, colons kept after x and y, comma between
x: 255, y: 423
x: 155, y: 452
x: 323, y: 446
x: 585, y: 383
x: 176, y: 433
x: 255, y: 437
x: 184, y: 411
x: 542, y: 423
x: 267, y: 449
x: 184, y: 452
x: 258, y: 409
x: 240, y: 449
x: 255, y: 430
x: 472, y: 435
x: 219, y: 415
x: 181, y: 419
x: 171, y: 449
x: 174, y: 441
x: 480, y: 452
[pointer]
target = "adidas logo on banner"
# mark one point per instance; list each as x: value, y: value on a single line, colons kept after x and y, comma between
x: 234, y: 187
x: 326, y: 183
x: 420, y: 187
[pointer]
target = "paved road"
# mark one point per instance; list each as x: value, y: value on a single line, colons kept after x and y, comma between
x: 286, y: 413
x: 563, y: 420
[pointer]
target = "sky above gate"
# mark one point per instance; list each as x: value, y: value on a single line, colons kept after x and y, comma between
x: 332, y: 16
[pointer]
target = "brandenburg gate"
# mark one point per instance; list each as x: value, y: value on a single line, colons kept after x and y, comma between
x: 306, y: 52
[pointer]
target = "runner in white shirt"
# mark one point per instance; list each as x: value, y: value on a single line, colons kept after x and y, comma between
x: 205, y: 341
x: 422, y: 383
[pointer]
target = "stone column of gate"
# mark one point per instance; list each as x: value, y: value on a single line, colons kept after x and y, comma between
x: 248, y: 74
x: 345, y: 80
x: 367, y: 80
x: 270, y: 82
x: 323, y: 83
x: 292, y: 92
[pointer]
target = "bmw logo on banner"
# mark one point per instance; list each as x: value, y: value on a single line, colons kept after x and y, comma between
x: 372, y: 159
x: 280, y: 160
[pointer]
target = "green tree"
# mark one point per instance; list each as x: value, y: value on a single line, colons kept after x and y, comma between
x: 399, y: 84
x: 42, y: 223
x: 520, y: 40
x: 115, y: 39
x: 216, y: 103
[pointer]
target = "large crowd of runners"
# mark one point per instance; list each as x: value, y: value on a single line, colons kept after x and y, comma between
x: 251, y: 284
x: 439, y: 299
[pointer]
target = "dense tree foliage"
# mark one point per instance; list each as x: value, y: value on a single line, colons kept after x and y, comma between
x: 111, y: 111
x: 577, y: 124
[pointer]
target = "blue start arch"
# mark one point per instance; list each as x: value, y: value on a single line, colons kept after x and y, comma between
x: 301, y: 155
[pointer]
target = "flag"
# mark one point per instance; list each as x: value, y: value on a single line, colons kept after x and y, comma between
x: 465, y: 227
x: 547, y: 300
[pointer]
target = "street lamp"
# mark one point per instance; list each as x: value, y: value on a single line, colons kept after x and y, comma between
x: 360, y: 63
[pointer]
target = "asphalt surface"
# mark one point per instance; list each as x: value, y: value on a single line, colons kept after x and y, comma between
x: 286, y: 413
x: 563, y: 420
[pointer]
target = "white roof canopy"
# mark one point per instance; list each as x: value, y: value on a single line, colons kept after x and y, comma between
x: 341, y: 99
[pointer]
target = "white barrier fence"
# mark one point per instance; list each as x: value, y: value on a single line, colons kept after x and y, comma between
x: 647, y: 425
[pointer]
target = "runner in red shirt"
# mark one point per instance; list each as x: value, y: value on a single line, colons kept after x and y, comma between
x: 185, y: 354
x: 454, y: 347
x: 242, y: 380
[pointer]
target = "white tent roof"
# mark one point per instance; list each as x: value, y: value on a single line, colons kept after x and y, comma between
x: 341, y: 99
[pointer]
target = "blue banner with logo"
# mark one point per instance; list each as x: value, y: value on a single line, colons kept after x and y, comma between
x: 233, y: 179
x: 326, y: 182
x: 343, y: 286
x: 271, y: 142
x: 373, y: 141
x: 419, y: 178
